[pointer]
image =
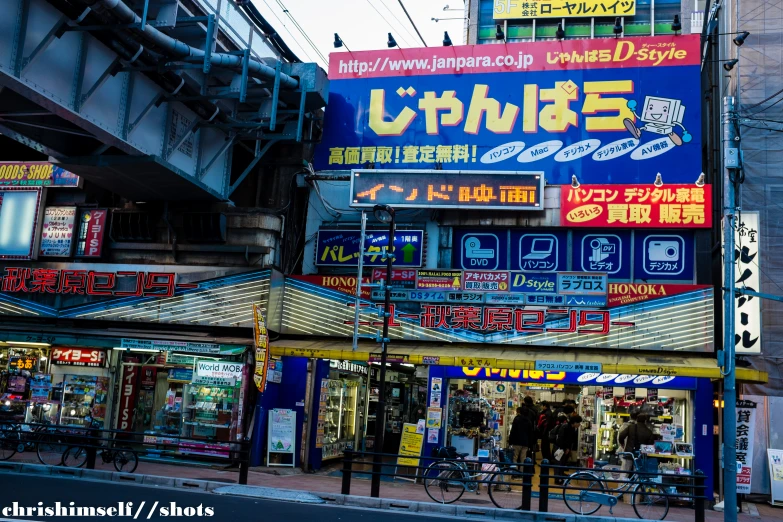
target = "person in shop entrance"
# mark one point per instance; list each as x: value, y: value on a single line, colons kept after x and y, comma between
x: 546, y: 422
x: 565, y: 442
x: 521, y: 435
x: 532, y: 413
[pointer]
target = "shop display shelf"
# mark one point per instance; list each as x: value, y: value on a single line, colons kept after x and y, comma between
x: 206, y: 424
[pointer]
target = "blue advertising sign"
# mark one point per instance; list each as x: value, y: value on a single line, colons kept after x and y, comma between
x: 603, y: 252
x: 579, y: 378
x: 532, y: 283
x: 539, y: 251
x: 341, y: 248
x: 545, y: 300
x: 484, y: 249
x: 599, y: 109
x: 664, y: 256
x: 592, y: 301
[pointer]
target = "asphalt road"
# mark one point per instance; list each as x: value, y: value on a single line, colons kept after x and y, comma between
x: 29, y: 490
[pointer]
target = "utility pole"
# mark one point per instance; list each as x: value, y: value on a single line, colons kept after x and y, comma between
x: 727, y: 358
x: 359, y: 277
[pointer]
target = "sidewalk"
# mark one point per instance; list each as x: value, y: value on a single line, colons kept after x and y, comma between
x: 287, y: 478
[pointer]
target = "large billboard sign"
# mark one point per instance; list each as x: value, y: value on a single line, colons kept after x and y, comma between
x: 609, y: 111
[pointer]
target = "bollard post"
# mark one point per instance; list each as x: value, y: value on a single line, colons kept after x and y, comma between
x: 347, y: 467
x: 92, y: 447
x: 527, y: 483
x: 543, y: 498
x: 698, y: 495
x: 243, y: 471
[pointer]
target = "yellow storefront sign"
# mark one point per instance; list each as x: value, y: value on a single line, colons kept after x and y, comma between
x: 410, y: 446
x: 529, y: 9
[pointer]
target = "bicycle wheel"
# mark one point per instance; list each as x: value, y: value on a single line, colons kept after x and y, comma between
x: 9, y: 442
x: 125, y: 459
x: 505, y: 489
x: 445, y: 482
x: 75, y: 457
x: 580, y: 484
x: 50, y: 450
x: 650, y: 502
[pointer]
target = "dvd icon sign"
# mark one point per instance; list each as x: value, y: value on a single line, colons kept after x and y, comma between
x: 480, y: 251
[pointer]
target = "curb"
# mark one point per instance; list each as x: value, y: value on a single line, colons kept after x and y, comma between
x: 304, y: 497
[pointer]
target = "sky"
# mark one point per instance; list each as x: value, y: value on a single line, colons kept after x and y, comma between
x: 362, y: 24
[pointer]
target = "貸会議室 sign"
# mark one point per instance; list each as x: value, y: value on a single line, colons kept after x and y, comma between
x: 609, y: 111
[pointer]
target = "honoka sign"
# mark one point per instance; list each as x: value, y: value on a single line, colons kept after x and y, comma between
x: 621, y: 294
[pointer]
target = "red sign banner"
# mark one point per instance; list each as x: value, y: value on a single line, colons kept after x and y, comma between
x: 621, y: 294
x: 636, y: 206
x: 94, y: 221
x: 79, y: 357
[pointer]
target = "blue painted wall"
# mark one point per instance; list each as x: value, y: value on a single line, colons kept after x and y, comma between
x: 703, y: 444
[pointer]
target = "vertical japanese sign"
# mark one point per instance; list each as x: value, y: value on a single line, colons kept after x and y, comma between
x: 129, y: 389
x: 57, y: 231
x: 261, y: 340
x: 747, y: 276
x: 92, y: 227
x: 610, y: 111
x: 746, y: 426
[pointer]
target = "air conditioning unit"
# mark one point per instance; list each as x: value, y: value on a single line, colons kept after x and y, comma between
x: 204, y: 227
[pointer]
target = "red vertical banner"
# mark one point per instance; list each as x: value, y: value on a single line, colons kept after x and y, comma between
x: 129, y: 389
x: 93, y: 223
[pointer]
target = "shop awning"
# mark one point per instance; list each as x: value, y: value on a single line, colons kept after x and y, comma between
x: 501, y: 357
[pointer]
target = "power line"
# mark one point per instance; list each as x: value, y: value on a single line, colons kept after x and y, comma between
x: 286, y: 29
x: 764, y: 100
x: 302, y: 32
x: 411, y: 21
x: 402, y: 25
x: 387, y: 23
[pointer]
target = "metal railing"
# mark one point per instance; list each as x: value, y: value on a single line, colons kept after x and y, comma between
x: 80, y: 446
x: 583, y: 490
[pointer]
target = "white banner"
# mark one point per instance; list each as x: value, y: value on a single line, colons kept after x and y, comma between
x: 746, y: 427
x: 747, y: 276
x: 57, y: 231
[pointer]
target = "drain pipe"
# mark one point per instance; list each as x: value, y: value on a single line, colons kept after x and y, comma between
x: 167, y: 45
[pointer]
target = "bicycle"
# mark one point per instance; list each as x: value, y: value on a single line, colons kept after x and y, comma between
x: 591, y: 491
x: 446, y: 481
x: 43, y: 437
x: 124, y: 458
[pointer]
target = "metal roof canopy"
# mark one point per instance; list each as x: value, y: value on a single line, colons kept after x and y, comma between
x: 513, y: 358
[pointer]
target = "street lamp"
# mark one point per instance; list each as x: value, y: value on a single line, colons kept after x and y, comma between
x: 384, y: 214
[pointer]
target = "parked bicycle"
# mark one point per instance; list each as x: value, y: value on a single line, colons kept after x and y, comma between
x: 124, y: 458
x: 447, y: 480
x: 43, y: 438
x: 589, y: 490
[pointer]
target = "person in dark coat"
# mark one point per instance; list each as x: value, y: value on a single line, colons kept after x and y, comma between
x: 566, y: 440
x: 546, y: 421
x: 521, y: 434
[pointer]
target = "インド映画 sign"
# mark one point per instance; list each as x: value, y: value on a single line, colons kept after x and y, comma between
x: 609, y: 111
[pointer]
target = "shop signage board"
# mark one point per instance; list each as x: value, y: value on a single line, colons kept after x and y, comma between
x: 608, y: 111
x: 436, y: 391
x: 439, y: 189
x: 281, y: 436
x: 533, y: 9
x: 396, y: 295
x: 485, y: 281
x: 219, y: 369
x: 342, y: 248
x: 170, y: 346
x: 507, y: 299
x: 582, y: 284
x: 533, y: 283
x: 464, y: 297
x: 348, y: 366
x: 621, y: 294
x: 636, y: 206
x: 746, y: 435
x: 91, y: 282
x: 401, y: 278
x: 37, y: 174
x: 564, y: 377
x: 747, y: 274
x: 93, y: 357
x: 411, y: 443
x: 341, y: 283
x: 180, y: 374
x: 668, y: 255
x: 539, y: 251
x: 57, y: 231
x: 129, y: 389
x: 439, y: 280
x: 23, y: 362
x: 562, y: 366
